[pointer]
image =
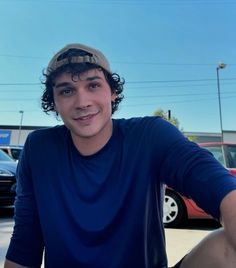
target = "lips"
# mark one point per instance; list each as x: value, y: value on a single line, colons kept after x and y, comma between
x: 86, y: 116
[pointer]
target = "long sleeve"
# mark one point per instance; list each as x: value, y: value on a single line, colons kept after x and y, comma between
x: 195, y: 173
x: 26, y: 245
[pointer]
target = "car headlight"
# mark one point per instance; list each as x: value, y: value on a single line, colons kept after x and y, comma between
x: 5, y: 172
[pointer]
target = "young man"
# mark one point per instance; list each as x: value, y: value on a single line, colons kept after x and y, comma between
x: 90, y: 192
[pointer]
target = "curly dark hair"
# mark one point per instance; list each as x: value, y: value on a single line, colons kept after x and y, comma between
x: 115, y: 82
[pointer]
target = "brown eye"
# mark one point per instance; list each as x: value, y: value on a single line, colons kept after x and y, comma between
x: 66, y: 92
x: 94, y: 86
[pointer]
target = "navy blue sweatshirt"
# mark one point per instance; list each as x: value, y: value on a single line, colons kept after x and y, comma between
x: 105, y: 210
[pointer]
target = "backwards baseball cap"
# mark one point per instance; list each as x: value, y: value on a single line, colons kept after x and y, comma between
x: 78, y: 53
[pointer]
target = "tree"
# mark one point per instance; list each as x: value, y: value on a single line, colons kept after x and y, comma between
x: 173, y: 120
x: 166, y: 115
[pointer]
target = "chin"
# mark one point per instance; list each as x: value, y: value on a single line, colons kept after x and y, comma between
x: 85, y: 134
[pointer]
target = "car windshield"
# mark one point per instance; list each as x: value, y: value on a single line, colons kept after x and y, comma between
x: 5, y: 157
x: 232, y: 155
x: 217, y: 152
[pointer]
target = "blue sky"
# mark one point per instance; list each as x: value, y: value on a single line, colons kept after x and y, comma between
x: 167, y: 51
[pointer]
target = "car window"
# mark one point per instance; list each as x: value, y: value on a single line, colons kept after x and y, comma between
x: 15, y: 153
x: 232, y: 155
x: 4, y: 150
x: 5, y: 157
x: 217, y: 152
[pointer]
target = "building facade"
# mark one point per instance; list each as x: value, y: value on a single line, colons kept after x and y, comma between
x: 14, y: 135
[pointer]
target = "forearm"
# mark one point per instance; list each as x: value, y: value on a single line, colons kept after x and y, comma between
x: 10, y: 264
x: 228, y: 217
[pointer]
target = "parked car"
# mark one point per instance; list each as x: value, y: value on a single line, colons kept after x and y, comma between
x: 178, y: 208
x: 7, y: 179
x: 13, y: 151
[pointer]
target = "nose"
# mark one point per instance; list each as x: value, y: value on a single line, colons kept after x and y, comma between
x: 82, y: 99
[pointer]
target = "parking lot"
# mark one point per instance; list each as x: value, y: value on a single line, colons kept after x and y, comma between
x: 179, y: 241
x: 6, y: 224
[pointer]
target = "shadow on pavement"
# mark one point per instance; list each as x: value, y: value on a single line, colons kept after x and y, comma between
x: 199, y: 224
x: 6, y: 212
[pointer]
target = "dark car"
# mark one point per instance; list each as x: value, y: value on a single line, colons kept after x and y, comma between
x: 13, y: 151
x: 178, y: 208
x: 7, y: 179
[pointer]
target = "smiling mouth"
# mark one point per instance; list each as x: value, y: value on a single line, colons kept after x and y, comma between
x: 86, y: 117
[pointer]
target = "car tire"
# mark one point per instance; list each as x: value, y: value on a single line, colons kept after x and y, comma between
x: 174, y: 211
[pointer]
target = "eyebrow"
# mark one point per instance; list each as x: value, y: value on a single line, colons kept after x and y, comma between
x: 63, y: 84
x: 90, y: 78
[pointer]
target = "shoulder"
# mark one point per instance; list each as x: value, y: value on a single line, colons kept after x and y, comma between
x: 47, y: 136
x: 148, y: 125
x: 137, y: 122
x: 46, y: 142
x: 50, y: 132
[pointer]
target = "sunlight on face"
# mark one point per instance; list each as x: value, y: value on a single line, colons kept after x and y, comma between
x: 84, y: 103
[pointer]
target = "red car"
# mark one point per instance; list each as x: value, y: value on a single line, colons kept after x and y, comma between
x: 178, y: 208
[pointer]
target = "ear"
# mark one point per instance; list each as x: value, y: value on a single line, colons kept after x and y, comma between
x: 113, y: 96
x: 54, y: 107
x: 55, y: 110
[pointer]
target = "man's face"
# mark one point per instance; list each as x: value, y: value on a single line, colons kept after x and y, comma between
x: 84, y: 104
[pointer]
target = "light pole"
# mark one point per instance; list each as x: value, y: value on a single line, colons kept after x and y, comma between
x: 220, y: 66
x: 20, y: 126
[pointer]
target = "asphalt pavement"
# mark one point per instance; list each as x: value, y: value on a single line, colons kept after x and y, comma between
x: 6, y: 225
x: 178, y: 241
